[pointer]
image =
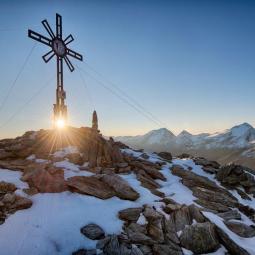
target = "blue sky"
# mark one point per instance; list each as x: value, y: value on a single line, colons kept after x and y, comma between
x: 190, y: 63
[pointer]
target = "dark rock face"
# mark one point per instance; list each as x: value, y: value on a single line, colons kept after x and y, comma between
x: 241, y: 229
x: 120, y: 186
x: 200, y: 238
x: 230, y: 215
x: 130, y: 214
x: 163, y: 249
x: 90, y: 186
x: 235, y: 176
x: 10, y: 202
x: 46, y: 181
x: 93, y: 231
x: 229, y: 244
x: 165, y: 155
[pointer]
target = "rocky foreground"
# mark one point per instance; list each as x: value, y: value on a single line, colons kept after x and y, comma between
x: 77, y: 193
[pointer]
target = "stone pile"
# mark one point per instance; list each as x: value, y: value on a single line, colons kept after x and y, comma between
x: 237, y: 177
x: 146, y: 231
x: 10, y: 202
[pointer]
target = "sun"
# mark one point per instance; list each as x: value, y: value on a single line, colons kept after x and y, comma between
x: 60, y: 123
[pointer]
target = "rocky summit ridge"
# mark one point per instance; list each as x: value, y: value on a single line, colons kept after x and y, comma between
x: 76, y: 192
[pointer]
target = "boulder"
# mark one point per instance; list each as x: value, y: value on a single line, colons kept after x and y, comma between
x: 241, y: 229
x: 21, y: 203
x: 206, y: 163
x: 45, y: 181
x: 230, y: 215
x: 137, y: 236
x: 165, y: 155
x: 120, y: 186
x: 181, y: 218
x: 75, y: 158
x: 163, y: 249
x: 155, y: 224
x: 90, y: 186
x: 229, y: 244
x: 146, y: 180
x: 200, y: 238
x: 7, y: 187
x: 130, y: 214
x: 93, y: 231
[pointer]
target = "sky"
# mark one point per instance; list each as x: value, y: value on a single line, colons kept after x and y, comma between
x: 189, y: 65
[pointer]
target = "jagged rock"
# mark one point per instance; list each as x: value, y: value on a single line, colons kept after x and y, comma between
x: 139, y: 238
x: 93, y: 231
x: 120, y: 186
x: 200, y: 238
x: 5, y: 154
x: 235, y: 175
x: 165, y: 155
x: 171, y: 207
x: 9, y: 198
x: 170, y: 232
x: 31, y: 191
x: 154, y: 173
x: 241, y: 229
x: 20, y: 203
x: 144, y: 155
x: 124, y: 170
x: 130, y: 214
x: 184, y: 155
x: 157, y: 193
x: 181, y: 218
x: 155, y: 224
x: 230, y: 215
x: 112, y: 247
x: 7, y: 187
x: 209, y: 193
x: 146, y: 250
x: 146, y: 180
x: 46, y: 181
x: 196, y: 214
x: 163, y: 249
x: 216, y: 207
x: 210, y: 170
x: 135, y: 251
x: 149, y: 168
x: 229, y: 244
x: 75, y: 158
x: 206, y: 163
x: 90, y: 186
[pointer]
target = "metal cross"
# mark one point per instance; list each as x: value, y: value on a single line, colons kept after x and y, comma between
x: 61, y: 51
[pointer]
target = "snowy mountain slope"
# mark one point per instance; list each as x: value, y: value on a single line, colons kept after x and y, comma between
x: 238, y: 141
x: 52, y: 225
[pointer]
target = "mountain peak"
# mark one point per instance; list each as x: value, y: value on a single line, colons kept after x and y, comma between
x: 242, y: 129
x: 184, y: 133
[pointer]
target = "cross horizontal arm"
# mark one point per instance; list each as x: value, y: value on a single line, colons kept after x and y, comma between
x: 74, y: 54
x: 39, y: 38
x: 48, y: 28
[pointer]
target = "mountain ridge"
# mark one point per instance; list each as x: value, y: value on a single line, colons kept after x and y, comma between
x: 238, y: 141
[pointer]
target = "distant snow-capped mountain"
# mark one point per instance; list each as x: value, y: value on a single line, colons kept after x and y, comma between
x: 238, y: 138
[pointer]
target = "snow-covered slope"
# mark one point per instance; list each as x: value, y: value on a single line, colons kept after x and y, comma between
x: 52, y: 225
